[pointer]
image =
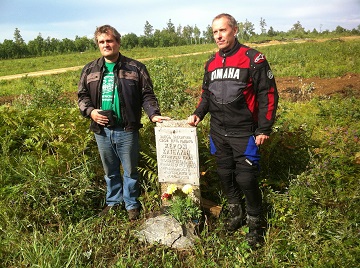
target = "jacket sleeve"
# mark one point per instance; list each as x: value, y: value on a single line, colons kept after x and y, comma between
x: 84, y: 98
x: 265, y: 90
x: 203, y: 104
x: 149, y: 101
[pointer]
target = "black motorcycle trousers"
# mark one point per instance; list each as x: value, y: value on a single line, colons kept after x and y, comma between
x: 237, y: 161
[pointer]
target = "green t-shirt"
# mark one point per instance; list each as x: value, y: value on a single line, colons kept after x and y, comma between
x: 108, y: 90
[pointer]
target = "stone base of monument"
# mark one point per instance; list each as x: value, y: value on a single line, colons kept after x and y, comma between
x: 166, y: 230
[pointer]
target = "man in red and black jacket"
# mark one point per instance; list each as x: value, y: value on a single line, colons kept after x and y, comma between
x: 239, y: 92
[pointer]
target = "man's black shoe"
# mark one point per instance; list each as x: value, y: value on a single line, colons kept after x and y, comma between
x: 134, y: 214
x: 257, y: 229
x: 235, y: 218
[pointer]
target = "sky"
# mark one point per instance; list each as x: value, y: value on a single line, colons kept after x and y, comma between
x: 71, y: 18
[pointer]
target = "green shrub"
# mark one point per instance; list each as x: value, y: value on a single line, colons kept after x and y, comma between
x: 170, y: 84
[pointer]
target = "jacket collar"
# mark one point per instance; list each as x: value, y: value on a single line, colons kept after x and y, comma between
x: 102, y: 60
x: 232, y: 51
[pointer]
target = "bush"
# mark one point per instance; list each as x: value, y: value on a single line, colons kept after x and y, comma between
x: 170, y: 84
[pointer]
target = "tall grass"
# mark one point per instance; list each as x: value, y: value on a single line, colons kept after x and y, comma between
x: 331, y: 58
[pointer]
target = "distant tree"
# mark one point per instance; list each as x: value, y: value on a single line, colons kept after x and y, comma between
x: 157, y: 38
x: 57, y: 45
x: 8, y: 49
x: 47, y: 46
x: 208, y: 34
x: 36, y: 46
x: 340, y: 30
x: 170, y: 27
x: 20, y: 45
x: 187, y: 33
x: 168, y: 39
x: 179, y: 33
x: 271, y: 32
x: 148, y: 29
x: 2, y: 52
x: 262, y: 26
x: 297, y: 28
x: 83, y: 43
x: 315, y: 32
x: 68, y: 44
x: 18, y: 38
x: 179, y: 30
x: 197, y: 34
x: 246, y: 30
x: 146, y: 41
x: 129, y: 41
x: 355, y: 31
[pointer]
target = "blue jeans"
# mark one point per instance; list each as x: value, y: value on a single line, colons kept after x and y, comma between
x: 118, y: 147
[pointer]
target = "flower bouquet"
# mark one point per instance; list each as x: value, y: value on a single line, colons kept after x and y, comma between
x: 182, y: 204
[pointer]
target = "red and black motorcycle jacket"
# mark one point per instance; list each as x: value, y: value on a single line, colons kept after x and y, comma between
x: 134, y: 87
x: 239, y: 92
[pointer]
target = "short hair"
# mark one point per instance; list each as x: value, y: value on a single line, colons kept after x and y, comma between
x: 107, y: 29
x: 231, y: 20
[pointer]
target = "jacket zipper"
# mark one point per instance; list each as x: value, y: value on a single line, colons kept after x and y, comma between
x: 223, y: 66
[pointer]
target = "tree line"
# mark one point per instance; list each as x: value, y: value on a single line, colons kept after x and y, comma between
x: 168, y: 36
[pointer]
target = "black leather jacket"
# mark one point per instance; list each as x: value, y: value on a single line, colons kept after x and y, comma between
x: 134, y: 87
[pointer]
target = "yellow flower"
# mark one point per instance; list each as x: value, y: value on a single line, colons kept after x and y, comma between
x: 187, y: 189
x: 171, y: 189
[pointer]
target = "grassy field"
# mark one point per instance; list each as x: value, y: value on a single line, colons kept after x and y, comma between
x: 330, y: 58
x: 51, y: 179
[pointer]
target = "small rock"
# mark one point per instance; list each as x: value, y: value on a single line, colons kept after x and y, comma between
x: 166, y: 230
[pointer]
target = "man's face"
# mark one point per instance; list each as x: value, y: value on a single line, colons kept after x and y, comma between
x: 108, y: 46
x: 224, y: 35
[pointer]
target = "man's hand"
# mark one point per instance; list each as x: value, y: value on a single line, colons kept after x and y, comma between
x: 99, y: 118
x: 193, y: 120
x: 159, y: 118
x: 260, y: 139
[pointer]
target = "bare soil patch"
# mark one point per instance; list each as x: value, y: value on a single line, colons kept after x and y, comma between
x: 296, y: 88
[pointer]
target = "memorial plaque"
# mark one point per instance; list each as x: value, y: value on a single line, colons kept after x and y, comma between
x: 177, y: 152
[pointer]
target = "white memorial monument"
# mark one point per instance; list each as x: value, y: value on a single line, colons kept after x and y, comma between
x: 177, y: 155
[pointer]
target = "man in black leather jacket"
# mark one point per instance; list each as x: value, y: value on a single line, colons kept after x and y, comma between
x: 112, y: 92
